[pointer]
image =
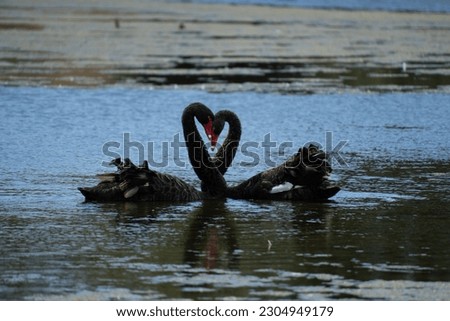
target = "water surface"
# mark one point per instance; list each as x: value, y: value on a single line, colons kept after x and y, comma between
x: 384, y: 236
x: 219, y: 47
x: 388, y: 5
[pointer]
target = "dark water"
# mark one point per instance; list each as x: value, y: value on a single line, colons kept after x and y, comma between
x: 384, y: 236
x: 387, y: 5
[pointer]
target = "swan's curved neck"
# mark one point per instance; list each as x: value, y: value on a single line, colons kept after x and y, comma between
x: 225, y: 155
x: 198, y: 154
x: 235, y: 129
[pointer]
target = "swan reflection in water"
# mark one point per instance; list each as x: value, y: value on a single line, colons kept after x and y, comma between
x: 211, y: 237
x: 206, y: 234
x: 206, y: 231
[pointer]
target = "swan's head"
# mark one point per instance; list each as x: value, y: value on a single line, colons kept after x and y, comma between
x: 234, y: 125
x: 206, y: 118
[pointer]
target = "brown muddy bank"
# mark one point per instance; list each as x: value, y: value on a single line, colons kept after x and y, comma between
x: 221, y: 47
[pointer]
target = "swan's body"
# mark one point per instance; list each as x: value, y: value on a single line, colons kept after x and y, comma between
x: 303, y: 177
x: 131, y: 183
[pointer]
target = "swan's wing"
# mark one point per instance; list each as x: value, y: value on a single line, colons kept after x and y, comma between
x: 165, y: 187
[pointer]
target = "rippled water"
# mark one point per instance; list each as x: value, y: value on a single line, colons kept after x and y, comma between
x: 384, y: 236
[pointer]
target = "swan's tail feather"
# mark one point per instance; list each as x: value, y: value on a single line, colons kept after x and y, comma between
x: 117, y: 162
x: 144, y: 165
x: 127, y: 163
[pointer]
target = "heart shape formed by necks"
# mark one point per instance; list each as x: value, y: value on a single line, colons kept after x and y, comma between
x: 210, y: 170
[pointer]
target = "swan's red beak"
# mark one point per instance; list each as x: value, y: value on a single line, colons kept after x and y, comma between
x: 210, y: 133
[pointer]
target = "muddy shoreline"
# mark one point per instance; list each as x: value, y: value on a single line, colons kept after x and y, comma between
x: 221, y: 48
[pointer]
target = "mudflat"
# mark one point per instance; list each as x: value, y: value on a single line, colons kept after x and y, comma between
x: 221, y: 48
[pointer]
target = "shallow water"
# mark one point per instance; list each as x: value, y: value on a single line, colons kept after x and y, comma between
x: 384, y: 236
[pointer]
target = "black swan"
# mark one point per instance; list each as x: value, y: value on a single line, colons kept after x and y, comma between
x: 139, y: 183
x: 304, y: 176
